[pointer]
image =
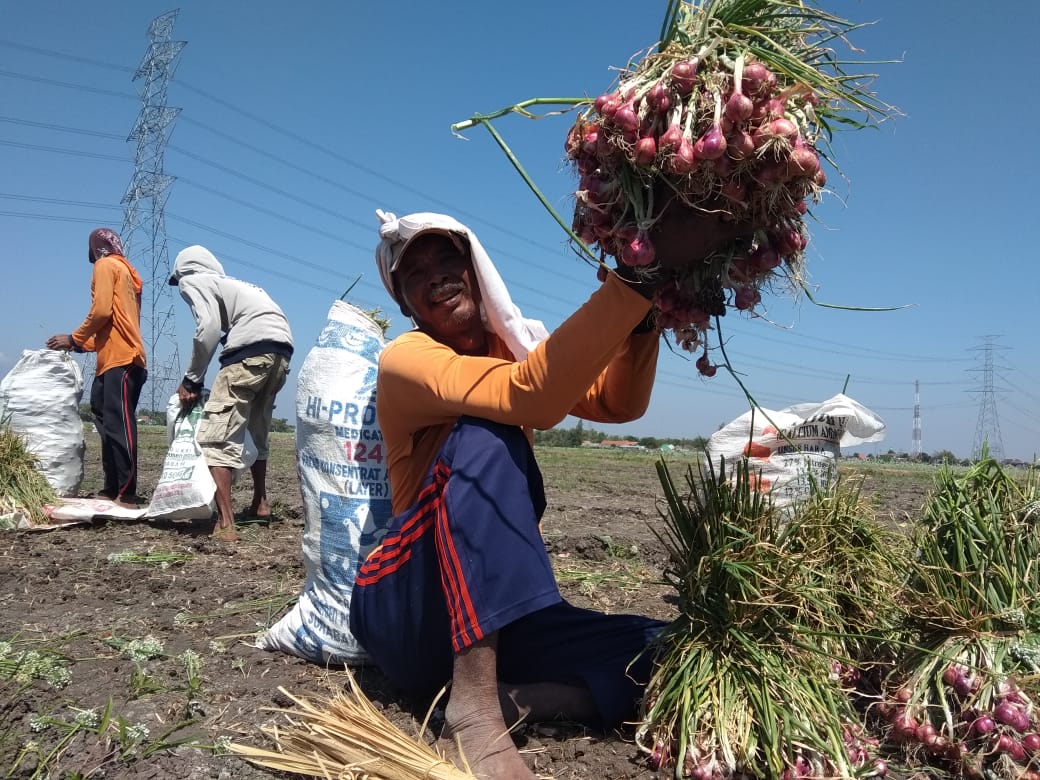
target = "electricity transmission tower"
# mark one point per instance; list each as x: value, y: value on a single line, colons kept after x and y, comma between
x: 144, y: 220
x: 915, y: 437
x: 987, y: 429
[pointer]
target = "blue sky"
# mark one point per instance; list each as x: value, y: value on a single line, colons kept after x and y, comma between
x: 298, y: 121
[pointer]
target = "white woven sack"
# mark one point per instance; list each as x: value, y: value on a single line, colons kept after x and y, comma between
x: 185, y: 490
x: 39, y: 399
x: 791, y: 448
x: 343, y: 479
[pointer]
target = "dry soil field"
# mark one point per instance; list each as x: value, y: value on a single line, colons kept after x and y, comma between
x: 142, y: 631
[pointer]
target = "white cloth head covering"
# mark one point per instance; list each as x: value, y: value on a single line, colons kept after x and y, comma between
x: 498, y: 312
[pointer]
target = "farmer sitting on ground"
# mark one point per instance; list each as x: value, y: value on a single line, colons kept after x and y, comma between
x: 461, y: 589
x: 253, y: 366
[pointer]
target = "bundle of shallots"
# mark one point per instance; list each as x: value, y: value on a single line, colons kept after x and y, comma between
x: 732, y: 112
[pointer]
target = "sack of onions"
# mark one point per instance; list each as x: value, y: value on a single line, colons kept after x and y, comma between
x: 756, y: 677
x: 732, y: 112
x: 965, y: 698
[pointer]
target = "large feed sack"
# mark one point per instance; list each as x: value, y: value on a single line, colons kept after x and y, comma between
x: 791, y: 449
x: 186, y: 490
x: 343, y: 478
x: 39, y: 399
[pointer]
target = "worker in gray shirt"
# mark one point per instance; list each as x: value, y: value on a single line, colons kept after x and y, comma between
x: 254, y: 364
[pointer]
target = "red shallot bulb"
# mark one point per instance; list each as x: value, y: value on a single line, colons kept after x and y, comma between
x: 790, y: 241
x: 704, y: 366
x: 1004, y: 712
x: 645, y: 151
x: 782, y: 128
x: 746, y: 298
x: 983, y: 725
x: 774, y: 108
x: 734, y: 190
x: 626, y: 117
x: 758, y: 80
x: 764, y: 258
x: 682, y: 160
x: 740, y: 145
x: 739, y: 107
x: 638, y: 252
x: 658, y: 98
x: 683, y: 75
x: 711, y: 145
x: 804, y: 162
x: 611, y: 103
x: 671, y: 137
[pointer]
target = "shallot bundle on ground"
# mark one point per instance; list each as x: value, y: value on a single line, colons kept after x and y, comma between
x: 755, y: 678
x: 965, y: 696
x: 732, y: 113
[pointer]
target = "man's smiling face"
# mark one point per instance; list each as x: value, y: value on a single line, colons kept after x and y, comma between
x: 438, y: 289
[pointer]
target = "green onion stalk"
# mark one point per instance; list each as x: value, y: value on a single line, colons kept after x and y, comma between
x: 965, y: 695
x: 24, y: 491
x: 752, y: 679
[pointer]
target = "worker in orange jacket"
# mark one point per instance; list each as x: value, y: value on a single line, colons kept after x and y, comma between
x: 112, y: 329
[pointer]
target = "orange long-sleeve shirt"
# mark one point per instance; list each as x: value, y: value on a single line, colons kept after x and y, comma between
x: 599, y: 371
x: 112, y: 328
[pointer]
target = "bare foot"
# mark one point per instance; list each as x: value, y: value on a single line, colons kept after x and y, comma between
x: 258, y: 510
x: 129, y: 502
x: 486, y: 745
x: 225, y: 533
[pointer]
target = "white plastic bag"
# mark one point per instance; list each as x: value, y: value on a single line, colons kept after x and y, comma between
x: 186, y: 490
x: 39, y: 399
x: 790, y: 448
x: 343, y: 479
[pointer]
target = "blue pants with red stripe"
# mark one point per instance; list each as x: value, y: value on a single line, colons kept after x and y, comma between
x: 468, y: 560
x: 113, y: 402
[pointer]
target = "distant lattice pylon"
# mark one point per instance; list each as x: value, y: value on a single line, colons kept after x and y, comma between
x: 915, y: 437
x: 987, y: 428
x: 144, y: 220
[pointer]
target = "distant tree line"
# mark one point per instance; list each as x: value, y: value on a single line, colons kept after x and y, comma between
x: 940, y: 457
x: 579, y: 434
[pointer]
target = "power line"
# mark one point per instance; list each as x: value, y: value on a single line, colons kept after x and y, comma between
x: 64, y: 56
x: 263, y: 185
x: 62, y: 128
x: 59, y: 150
x: 68, y: 84
x: 299, y: 139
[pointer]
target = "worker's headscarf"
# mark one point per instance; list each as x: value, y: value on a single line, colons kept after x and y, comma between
x: 498, y: 312
x: 103, y: 241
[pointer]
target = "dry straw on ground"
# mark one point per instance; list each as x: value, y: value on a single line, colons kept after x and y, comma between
x: 347, y: 738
